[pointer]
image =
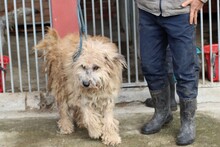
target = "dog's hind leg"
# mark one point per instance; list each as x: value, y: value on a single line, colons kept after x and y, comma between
x: 110, y: 129
x: 65, y: 122
x: 92, y: 122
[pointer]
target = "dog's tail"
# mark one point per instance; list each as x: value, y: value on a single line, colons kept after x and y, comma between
x: 49, y: 49
x: 49, y: 42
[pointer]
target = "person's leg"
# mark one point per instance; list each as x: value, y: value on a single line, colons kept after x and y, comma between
x: 173, y: 105
x: 181, y: 37
x: 153, y: 43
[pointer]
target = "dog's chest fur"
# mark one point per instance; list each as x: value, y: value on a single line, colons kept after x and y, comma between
x: 95, y: 102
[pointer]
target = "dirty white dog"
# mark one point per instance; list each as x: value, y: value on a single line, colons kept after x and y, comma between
x: 85, y: 87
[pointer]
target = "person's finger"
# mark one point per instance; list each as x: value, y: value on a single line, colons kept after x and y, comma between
x: 186, y: 3
x: 195, y: 17
x: 191, y: 17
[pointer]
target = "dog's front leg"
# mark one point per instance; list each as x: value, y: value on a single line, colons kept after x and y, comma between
x: 110, y: 127
x: 92, y: 122
x: 65, y: 122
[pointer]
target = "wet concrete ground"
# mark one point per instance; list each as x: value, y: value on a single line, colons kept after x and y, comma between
x: 38, y: 129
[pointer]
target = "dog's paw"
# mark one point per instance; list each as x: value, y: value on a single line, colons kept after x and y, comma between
x: 95, y: 134
x: 113, y: 139
x: 65, y: 126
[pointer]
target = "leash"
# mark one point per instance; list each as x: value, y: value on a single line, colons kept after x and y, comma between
x: 2, y: 69
x: 82, y: 29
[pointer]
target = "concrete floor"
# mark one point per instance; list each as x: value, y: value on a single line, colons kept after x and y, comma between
x: 21, y: 126
x: 35, y: 129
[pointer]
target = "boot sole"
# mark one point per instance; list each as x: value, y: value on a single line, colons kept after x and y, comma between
x: 168, y: 120
x: 150, y: 132
x: 185, y: 143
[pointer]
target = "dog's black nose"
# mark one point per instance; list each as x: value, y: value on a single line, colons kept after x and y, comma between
x: 86, y: 83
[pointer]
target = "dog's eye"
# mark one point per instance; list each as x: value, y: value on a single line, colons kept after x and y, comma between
x: 83, y: 67
x: 95, y: 67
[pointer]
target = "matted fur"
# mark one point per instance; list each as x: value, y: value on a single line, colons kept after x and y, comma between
x: 85, y: 89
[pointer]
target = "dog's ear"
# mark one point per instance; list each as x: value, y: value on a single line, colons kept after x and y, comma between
x: 119, y: 59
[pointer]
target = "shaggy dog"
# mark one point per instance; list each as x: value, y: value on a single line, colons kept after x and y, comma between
x: 85, y: 88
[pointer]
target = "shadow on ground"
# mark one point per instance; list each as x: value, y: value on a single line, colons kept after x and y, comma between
x: 34, y: 132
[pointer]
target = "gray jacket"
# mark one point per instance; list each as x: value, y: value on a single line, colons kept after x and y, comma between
x: 163, y: 7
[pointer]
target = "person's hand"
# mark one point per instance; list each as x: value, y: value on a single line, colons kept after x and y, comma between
x: 195, y: 6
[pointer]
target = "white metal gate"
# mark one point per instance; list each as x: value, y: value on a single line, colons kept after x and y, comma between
x: 116, y: 19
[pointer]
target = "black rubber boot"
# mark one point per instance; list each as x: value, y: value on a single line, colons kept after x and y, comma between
x: 162, y: 114
x: 173, y: 103
x: 149, y: 102
x: 187, y: 131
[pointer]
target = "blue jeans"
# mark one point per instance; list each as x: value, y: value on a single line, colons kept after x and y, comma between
x: 156, y: 33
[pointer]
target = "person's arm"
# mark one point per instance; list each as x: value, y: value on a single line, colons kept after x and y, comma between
x: 195, y: 6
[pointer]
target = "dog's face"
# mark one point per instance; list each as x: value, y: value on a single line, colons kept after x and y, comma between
x: 98, y: 64
x: 90, y: 75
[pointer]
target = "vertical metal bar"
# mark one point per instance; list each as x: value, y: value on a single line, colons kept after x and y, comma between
x: 18, y: 45
x: 9, y: 47
x: 118, y: 26
x: 43, y: 34
x: 42, y: 18
x: 93, y: 17
x: 210, y: 39
x: 110, y: 19
x: 50, y: 13
x: 218, y: 23
x: 26, y: 46
x: 127, y: 41
x: 101, y: 14
x: 85, y: 16
x: 202, y: 46
x: 135, y: 41
x: 2, y: 61
x: 35, y: 42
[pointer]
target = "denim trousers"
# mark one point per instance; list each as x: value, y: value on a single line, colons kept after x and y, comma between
x: 156, y: 33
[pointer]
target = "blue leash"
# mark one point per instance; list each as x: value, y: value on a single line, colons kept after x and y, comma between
x: 2, y: 69
x: 82, y: 30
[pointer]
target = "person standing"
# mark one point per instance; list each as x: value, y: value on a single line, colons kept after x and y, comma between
x: 173, y: 23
